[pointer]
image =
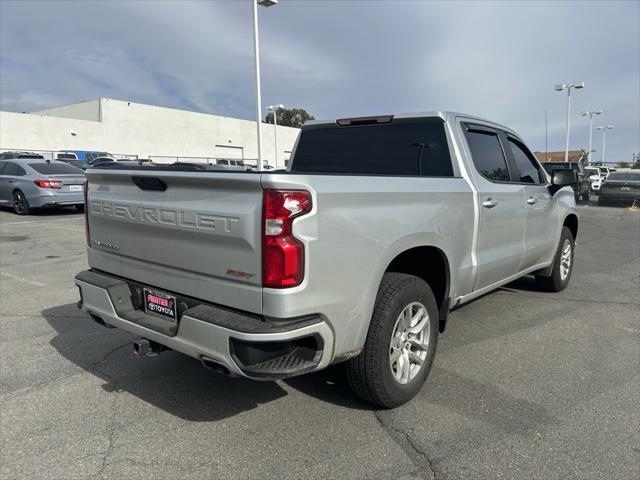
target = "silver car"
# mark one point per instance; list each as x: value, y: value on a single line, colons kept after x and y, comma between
x: 28, y: 183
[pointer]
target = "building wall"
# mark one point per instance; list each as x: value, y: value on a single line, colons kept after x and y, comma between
x: 26, y: 131
x: 128, y: 128
x: 89, y: 110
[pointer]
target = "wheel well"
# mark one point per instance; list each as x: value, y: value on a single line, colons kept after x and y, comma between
x: 571, y: 222
x: 431, y: 265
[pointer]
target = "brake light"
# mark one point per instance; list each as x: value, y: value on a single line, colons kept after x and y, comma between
x: 86, y: 212
x: 282, y: 252
x: 55, y: 184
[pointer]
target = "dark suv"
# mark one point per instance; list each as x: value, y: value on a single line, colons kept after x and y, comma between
x: 581, y: 189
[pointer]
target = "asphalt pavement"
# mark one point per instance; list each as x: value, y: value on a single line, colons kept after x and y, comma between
x: 525, y: 384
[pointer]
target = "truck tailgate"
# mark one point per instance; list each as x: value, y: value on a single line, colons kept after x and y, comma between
x: 195, y: 233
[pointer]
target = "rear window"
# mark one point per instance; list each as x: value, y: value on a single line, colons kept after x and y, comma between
x: 404, y: 147
x: 55, y: 168
x: 624, y: 176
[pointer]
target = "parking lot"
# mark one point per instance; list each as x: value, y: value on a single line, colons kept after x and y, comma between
x: 525, y: 384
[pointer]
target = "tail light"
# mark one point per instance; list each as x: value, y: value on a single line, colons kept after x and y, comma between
x: 282, y: 253
x: 55, y: 184
x: 86, y: 212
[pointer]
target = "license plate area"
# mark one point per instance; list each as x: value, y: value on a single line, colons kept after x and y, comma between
x: 75, y: 188
x: 625, y: 189
x: 160, y: 304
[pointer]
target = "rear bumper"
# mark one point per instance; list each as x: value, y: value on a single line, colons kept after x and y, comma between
x: 56, y: 199
x: 244, y: 345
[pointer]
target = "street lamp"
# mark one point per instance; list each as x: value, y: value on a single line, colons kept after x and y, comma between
x: 604, y: 129
x: 591, y: 113
x: 274, y: 109
x: 256, y: 53
x: 559, y: 88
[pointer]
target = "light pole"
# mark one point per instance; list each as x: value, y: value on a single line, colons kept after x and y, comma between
x: 559, y: 88
x: 591, y: 113
x: 274, y: 109
x: 604, y: 129
x: 256, y: 53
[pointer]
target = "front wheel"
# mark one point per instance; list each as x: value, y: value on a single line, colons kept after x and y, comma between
x: 562, y: 264
x: 400, y: 345
x: 20, y: 203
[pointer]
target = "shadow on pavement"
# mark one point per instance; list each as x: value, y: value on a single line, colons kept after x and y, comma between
x: 171, y: 381
x: 45, y: 212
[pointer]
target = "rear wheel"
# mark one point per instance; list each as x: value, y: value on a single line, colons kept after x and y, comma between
x: 400, y: 344
x: 20, y: 203
x: 562, y: 264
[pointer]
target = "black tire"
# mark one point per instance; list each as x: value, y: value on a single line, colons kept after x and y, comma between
x: 370, y: 374
x: 20, y: 203
x: 555, y: 282
x: 80, y: 208
x: 586, y: 196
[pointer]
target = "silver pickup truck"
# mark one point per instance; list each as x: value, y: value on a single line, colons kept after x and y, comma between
x: 356, y: 254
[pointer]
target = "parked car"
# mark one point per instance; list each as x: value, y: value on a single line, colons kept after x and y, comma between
x: 15, y: 155
x: 89, y: 157
x: 604, y: 172
x: 355, y: 255
x: 620, y: 188
x: 100, y: 160
x: 66, y: 156
x: 28, y: 183
x: 230, y: 164
x: 595, y: 179
x: 582, y: 185
x: 76, y: 163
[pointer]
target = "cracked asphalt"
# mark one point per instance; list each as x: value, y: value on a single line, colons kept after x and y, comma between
x: 525, y: 384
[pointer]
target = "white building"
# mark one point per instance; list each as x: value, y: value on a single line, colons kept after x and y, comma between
x: 142, y: 131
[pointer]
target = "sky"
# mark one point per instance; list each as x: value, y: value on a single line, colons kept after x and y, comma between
x: 338, y: 58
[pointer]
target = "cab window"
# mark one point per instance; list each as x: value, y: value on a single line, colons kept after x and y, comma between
x: 487, y: 154
x: 528, y: 171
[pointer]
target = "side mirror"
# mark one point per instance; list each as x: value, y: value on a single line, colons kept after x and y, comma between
x: 563, y: 178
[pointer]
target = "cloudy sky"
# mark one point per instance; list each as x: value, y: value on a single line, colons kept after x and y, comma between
x: 337, y: 58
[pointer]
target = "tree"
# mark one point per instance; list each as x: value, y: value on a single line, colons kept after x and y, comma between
x: 623, y: 165
x: 290, y: 117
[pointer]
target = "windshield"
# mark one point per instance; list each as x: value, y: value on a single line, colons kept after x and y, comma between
x: 603, y: 170
x: 56, y: 168
x: 593, y: 171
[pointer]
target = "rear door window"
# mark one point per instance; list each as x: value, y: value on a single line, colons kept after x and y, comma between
x: 13, y: 170
x: 412, y: 147
x: 527, y: 166
x: 56, y: 168
x: 487, y: 154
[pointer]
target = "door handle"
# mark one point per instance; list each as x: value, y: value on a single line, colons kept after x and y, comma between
x: 531, y: 201
x: 488, y: 203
